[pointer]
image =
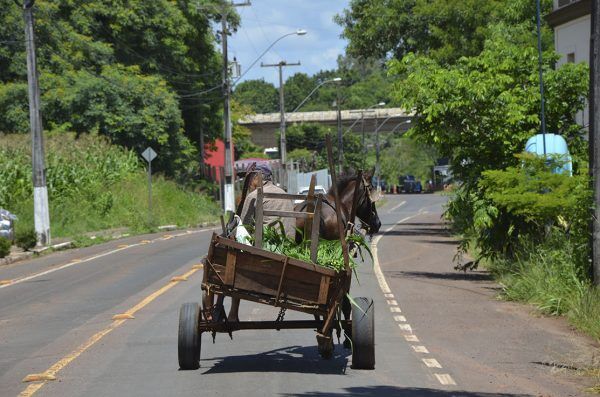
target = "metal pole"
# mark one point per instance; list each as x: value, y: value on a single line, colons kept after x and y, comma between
x: 594, y: 139
x: 282, y: 140
x: 377, y: 165
x: 542, y: 110
x: 149, y: 193
x: 229, y: 199
x: 339, y: 132
x: 362, y: 130
x: 40, y: 192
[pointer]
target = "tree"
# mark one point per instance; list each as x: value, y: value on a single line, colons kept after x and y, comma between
x: 160, y: 50
x: 444, y: 30
x: 405, y: 156
x: 257, y: 95
x: 480, y: 112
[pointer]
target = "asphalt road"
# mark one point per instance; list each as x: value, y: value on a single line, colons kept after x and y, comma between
x: 56, y: 320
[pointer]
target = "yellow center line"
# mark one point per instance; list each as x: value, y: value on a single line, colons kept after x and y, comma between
x: 66, y: 360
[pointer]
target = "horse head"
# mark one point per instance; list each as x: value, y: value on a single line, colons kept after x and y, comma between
x: 366, y: 210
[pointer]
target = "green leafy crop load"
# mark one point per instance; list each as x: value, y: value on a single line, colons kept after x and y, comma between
x: 329, y: 253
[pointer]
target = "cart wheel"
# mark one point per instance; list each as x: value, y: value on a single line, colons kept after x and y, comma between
x: 189, y: 337
x: 363, y: 334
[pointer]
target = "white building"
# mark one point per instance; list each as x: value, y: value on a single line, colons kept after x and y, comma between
x: 571, y: 21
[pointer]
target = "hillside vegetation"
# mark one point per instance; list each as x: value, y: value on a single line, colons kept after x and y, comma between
x: 93, y: 185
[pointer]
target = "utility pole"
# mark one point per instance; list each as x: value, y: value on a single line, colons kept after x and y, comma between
x: 339, y: 132
x: 41, y: 213
x: 229, y: 199
x: 282, y: 140
x: 377, y: 165
x: 594, y: 139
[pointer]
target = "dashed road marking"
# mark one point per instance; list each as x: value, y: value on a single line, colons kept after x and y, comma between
x: 420, y: 349
x: 431, y: 362
x: 409, y: 336
x: 445, y: 379
x: 405, y: 327
x: 397, y: 206
x: 42, y: 378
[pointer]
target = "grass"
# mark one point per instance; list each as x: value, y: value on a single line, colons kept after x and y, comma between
x: 94, y: 186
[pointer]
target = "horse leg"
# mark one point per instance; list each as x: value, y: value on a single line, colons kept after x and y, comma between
x: 234, y: 310
x: 347, y: 312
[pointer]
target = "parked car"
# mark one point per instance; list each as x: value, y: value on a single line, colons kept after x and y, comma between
x: 304, y: 191
x: 7, y: 220
x: 409, y: 184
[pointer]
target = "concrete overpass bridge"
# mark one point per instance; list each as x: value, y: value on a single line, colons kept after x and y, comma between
x: 265, y: 126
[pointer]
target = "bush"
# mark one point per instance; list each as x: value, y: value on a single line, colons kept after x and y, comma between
x: 26, y: 239
x: 4, y: 247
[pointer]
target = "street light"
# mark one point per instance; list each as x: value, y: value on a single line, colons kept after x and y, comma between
x: 299, y: 32
x: 334, y: 80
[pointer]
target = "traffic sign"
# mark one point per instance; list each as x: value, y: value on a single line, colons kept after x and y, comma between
x: 149, y: 154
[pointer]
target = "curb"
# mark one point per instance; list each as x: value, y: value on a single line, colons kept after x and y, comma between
x: 68, y: 244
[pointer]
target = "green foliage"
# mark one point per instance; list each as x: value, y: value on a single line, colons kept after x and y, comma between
x: 258, y: 95
x: 306, y: 142
x: 132, y: 70
x: 329, y: 253
x: 479, y: 112
x: 92, y: 186
x: 405, y: 156
x: 545, y: 275
x: 26, y: 239
x: 364, y: 83
x: 5, y: 245
x: 444, y: 30
x: 242, y: 141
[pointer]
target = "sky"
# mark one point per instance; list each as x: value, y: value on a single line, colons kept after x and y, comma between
x: 266, y: 20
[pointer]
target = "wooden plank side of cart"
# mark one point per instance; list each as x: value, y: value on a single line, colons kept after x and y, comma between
x: 259, y: 275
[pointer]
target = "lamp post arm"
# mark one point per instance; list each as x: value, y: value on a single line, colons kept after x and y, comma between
x: 309, y: 95
x: 261, y: 55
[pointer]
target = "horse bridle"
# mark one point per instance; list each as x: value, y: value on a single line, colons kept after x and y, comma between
x: 367, y: 186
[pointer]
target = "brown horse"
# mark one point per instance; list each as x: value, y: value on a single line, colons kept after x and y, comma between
x: 366, y: 211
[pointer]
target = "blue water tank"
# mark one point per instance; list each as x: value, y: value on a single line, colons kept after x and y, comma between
x: 556, y: 146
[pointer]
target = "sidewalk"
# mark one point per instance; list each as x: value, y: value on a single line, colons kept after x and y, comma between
x: 485, y: 343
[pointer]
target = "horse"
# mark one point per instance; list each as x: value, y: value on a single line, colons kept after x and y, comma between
x: 366, y: 210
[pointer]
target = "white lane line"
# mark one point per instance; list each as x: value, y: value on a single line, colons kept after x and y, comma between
x: 445, y: 379
x: 91, y: 258
x: 420, y: 349
x: 405, y: 327
x: 392, y: 302
x: 431, y: 363
x: 397, y: 206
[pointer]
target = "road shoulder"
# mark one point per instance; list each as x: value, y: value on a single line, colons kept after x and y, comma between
x: 486, y: 344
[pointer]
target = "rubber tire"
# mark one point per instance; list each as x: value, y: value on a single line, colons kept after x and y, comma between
x: 363, y: 334
x: 188, y: 346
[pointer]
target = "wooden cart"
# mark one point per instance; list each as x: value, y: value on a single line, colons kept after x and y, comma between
x: 250, y: 273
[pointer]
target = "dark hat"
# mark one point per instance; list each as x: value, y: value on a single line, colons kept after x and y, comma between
x: 264, y: 169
